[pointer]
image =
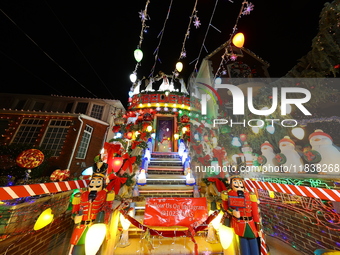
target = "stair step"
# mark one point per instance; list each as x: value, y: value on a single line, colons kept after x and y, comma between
x: 157, y: 159
x: 165, y: 177
x: 174, y: 168
x: 157, y: 188
x: 165, y: 155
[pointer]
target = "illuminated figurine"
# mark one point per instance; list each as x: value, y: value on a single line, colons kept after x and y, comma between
x: 85, y: 208
x: 242, y: 209
x: 289, y: 158
x: 323, y: 143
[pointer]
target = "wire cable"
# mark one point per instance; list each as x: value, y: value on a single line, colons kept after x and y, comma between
x: 46, y: 53
x: 79, y: 49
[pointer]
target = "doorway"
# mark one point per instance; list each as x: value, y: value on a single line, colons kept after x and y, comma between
x: 164, y: 134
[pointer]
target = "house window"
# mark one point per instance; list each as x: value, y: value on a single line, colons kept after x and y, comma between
x: 81, y: 108
x: 28, y: 131
x: 97, y: 111
x: 85, y: 142
x: 55, y: 136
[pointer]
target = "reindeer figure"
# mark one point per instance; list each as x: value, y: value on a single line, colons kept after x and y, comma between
x: 132, y: 119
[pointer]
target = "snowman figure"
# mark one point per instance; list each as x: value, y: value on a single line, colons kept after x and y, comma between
x: 293, y: 162
x: 267, y: 151
x: 141, y: 179
x: 330, y: 155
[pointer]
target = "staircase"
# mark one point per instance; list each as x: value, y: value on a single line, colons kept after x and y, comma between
x: 165, y: 177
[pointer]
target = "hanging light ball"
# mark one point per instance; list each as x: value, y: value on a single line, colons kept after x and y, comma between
x: 236, y: 142
x: 298, y: 132
x: 218, y: 80
x: 243, y: 137
x: 270, y: 129
x: 179, y: 66
x: 238, y: 40
x: 138, y: 55
x: 45, y: 218
x: 133, y: 77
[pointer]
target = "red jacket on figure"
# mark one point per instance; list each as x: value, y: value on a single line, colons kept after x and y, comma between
x: 242, y: 208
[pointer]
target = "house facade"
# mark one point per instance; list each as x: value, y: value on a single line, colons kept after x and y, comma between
x: 72, y: 129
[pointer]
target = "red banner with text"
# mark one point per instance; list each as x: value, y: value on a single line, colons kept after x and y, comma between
x: 175, y: 211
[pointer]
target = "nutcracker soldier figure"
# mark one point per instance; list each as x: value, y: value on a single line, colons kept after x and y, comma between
x: 85, y: 208
x: 242, y: 209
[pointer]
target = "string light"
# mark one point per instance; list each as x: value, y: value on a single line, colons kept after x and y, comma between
x: 246, y: 8
x: 156, y: 52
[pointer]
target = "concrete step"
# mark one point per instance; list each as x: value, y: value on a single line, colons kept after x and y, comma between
x: 165, y: 155
x: 165, y: 163
x: 158, y: 159
x: 163, y: 179
x: 157, y: 188
x: 174, y: 168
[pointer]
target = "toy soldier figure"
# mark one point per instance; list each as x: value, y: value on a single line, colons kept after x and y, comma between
x: 242, y: 208
x: 86, y: 206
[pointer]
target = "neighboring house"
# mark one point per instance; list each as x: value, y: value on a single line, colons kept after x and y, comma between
x: 73, y: 129
x: 238, y: 66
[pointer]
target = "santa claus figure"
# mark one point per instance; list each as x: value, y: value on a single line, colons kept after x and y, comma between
x: 330, y: 155
x: 289, y: 158
x: 243, y: 212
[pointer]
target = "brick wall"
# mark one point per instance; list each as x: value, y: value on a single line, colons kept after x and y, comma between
x: 297, y: 230
x: 51, y: 240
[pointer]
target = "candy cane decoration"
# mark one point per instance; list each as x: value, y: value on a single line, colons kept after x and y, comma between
x: 13, y: 192
x: 323, y: 194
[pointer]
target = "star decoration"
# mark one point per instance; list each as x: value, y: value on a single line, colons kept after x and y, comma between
x: 143, y: 15
x: 233, y: 57
x: 248, y: 9
x: 197, y: 22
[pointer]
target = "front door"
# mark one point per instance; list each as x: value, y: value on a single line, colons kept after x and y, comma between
x: 164, y: 134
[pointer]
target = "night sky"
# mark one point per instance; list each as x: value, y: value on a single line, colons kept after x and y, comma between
x: 85, y: 49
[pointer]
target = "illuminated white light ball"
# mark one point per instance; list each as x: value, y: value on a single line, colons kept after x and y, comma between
x: 133, y: 77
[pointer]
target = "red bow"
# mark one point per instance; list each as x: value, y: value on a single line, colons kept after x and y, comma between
x: 128, y: 126
x: 115, y: 183
x: 200, y: 128
x: 219, y: 154
x: 198, y: 148
x: 219, y: 184
x: 145, y: 125
x: 128, y: 161
x: 111, y: 149
x: 134, y: 144
x: 143, y: 136
x: 116, y: 128
x: 205, y: 160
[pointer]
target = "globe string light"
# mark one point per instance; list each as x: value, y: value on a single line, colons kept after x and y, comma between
x: 229, y: 55
x: 143, y: 15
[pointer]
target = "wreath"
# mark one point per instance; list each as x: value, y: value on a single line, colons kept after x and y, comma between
x: 262, y: 159
x: 312, y: 156
x: 281, y: 158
